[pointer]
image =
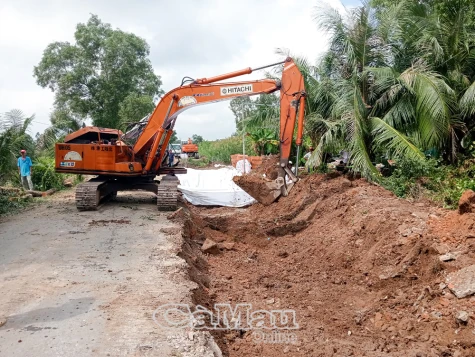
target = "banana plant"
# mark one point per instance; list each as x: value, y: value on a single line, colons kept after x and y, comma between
x: 264, y: 141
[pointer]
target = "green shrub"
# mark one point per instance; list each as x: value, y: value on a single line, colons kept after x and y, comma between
x: 221, y: 150
x: 201, y: 162
x: 410, y: 176
x: 44, y: 177
x: 448, y: 188
x: 441, y: 183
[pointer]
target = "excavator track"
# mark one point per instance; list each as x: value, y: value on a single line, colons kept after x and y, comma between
x: 167, y: 194
x: 88, y: 195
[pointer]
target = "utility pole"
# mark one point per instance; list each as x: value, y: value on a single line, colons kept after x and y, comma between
x: 243, y: 145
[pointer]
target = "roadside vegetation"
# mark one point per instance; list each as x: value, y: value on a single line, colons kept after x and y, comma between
x: 398, y: 83
x: 14, y: 136
x: 220, y: 151
x: 87, y: 78
x: 432, y: 179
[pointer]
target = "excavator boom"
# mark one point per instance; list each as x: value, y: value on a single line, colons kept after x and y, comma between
x: 206, y: 90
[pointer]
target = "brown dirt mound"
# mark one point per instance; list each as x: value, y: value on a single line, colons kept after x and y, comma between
x: 256, y: 182
x: 467, y: 202
x: 359, y: 266
x: 268, y: 167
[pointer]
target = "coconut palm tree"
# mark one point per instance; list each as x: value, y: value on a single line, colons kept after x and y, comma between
x: 62, y: 123
x: 443, y: 37
x: 363, y: 99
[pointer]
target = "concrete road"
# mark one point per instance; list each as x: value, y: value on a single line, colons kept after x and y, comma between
x: 87, y: 283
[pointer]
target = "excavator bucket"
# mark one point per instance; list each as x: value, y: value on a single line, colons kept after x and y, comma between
x: 263, y: 190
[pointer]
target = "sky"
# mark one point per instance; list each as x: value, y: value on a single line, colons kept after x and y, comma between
x: 186, y: 38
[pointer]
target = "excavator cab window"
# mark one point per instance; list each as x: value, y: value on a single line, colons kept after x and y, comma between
x: 134, y: 130
x: 87, y: 138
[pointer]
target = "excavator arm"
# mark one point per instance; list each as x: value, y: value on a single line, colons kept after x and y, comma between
x: 153, y: 141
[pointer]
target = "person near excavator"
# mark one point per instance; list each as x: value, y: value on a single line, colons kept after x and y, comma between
x: 171, y: 158
x: 307, y: 156
x: 24, y: 169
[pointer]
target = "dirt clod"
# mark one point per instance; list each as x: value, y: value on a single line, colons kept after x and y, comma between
x: 256, y: 187
x: 467, y: 202
x: 210, y: 247
x: 462, y: 317
x: 462, y: 282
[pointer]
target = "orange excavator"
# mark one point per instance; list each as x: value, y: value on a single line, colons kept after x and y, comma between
x: 190, y: 149
x: 133, y: 160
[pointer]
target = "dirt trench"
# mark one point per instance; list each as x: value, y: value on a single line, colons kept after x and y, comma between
x: 360, y: 267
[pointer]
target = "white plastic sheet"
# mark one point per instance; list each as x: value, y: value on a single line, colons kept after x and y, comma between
x: 213, y: 188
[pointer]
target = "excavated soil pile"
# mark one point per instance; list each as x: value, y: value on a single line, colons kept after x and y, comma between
x: 267, y: 168
x: 363, y: 269
x: 255, y: 182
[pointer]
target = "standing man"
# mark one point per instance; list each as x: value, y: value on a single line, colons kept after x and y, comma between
x: 24, y: 168
x: 307, y: 156
x: 171, y: 158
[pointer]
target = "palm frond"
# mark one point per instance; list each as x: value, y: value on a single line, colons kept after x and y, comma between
x: 329, y: 19
x: 434, y: 100
x: 387, y: 138
x: 401, y: 113
x: 330, y: 141
x: 467, y: 102
x: 358, y: 135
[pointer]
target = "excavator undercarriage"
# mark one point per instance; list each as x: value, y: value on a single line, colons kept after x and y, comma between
x: 91, y: 194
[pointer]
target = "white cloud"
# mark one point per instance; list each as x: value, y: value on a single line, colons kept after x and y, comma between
x: 187, y: 38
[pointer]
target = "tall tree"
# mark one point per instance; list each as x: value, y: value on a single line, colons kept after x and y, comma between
x: 133, y: 108
x: 197, y: 139
x: 104, y: 69
x: 241, y: 107
x: 174, y: 138
x: 262, y: 111
x: 265, y: 113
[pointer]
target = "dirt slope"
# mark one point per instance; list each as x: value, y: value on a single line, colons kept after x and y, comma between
x: 359, y: 266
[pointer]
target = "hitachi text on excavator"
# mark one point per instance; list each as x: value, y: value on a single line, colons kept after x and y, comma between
x: 134, y: 159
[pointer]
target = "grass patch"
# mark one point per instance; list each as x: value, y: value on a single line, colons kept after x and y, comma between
x: 199, y: 163
x: 220, y: 151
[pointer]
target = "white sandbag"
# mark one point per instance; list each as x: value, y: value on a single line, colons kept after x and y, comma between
x: 243, y: 166
x: 213, y: 188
